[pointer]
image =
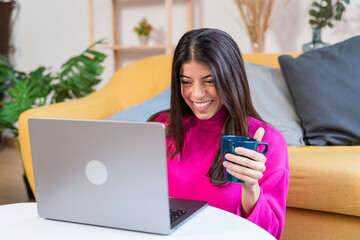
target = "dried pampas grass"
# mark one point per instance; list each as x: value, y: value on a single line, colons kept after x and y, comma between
x: 256, y: 14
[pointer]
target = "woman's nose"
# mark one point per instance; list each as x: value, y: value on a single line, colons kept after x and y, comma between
x: 199, y: 91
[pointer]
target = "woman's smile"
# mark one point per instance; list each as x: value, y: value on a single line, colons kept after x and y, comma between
x: 201, y: 106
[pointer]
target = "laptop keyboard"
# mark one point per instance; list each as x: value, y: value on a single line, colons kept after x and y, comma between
x: 175, y: 214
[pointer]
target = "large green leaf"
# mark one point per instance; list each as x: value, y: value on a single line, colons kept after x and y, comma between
x: 91, y: 64
x: 98, y: 56
x: 23, y: 97
x: 81, y: 71
x: 42, y: 82
x: 79, y: 81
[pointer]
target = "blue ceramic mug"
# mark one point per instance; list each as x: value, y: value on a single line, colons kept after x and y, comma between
x: 228, y: 145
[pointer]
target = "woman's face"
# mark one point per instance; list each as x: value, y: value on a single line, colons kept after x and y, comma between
x: 198, y: 90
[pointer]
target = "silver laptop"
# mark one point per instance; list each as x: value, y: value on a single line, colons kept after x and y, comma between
x: 105, y: 173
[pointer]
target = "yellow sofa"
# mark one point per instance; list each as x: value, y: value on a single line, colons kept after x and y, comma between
x: 324, y: 191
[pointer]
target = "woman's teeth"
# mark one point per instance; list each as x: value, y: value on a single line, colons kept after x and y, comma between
x: 203, y: 104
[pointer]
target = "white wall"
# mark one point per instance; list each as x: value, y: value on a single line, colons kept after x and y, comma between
x: 50, y: 32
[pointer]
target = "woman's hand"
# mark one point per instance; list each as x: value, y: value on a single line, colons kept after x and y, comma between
x: 250, y: 170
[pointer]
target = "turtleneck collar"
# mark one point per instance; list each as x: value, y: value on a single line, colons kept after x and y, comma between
x: 215, y: 123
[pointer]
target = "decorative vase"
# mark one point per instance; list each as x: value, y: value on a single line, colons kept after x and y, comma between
x: 258, y: 46
x: 316, y: 41
x: 143, y: 39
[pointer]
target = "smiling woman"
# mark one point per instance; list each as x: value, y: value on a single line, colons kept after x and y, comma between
x: 210, y: 98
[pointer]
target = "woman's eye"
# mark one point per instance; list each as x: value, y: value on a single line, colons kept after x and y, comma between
x: 185, y: 82
x: 210, y: 82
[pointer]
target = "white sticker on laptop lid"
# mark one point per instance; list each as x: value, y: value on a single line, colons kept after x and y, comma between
x: 96, y: 172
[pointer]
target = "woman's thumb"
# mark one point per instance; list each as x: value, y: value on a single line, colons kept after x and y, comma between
x: 259, y: 134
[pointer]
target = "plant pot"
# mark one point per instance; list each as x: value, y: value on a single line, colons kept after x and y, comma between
x: 143, y: 39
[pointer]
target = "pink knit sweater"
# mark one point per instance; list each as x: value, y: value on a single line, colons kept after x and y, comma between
x: 187, y: 177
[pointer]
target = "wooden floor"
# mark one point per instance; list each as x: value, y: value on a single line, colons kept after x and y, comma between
x: 12, y: 187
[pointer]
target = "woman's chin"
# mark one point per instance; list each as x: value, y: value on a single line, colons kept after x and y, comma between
x: 204, y: 115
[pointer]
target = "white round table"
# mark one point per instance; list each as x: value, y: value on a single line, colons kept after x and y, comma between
x: 21, y: 221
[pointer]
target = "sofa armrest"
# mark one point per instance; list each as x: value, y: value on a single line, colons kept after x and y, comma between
x: 325, y: 178
x: 97, y: 105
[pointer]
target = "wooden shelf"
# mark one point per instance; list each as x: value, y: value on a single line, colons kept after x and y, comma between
x: 167, y: 47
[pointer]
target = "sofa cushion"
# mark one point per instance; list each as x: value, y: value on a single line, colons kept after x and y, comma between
x: 325, y: 179
x: 325, y: 85
x: 272, y: 100
x: 303, y: 224
x: 141, y: 112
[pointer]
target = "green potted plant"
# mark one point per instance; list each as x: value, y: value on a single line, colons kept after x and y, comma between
x: 322, y: 13
x: 143, y: 30
x: 24, y: 91
x: 75, y: 79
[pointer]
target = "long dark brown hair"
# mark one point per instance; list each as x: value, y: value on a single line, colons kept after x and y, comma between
x: 217, y: 50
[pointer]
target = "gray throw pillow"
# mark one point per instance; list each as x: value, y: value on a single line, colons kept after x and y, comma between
x: 144, y: 110
x: 272, y: 100
x: 325, y: 86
